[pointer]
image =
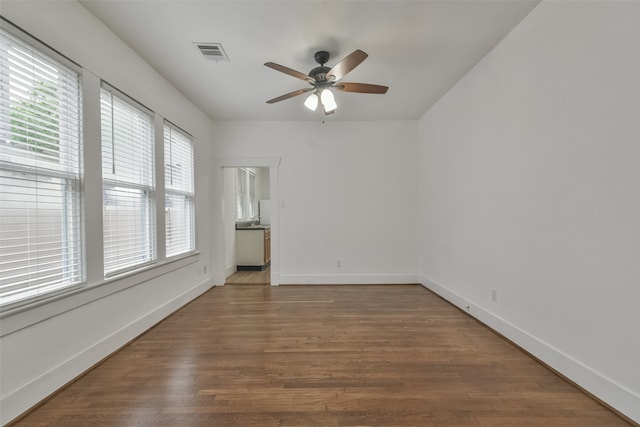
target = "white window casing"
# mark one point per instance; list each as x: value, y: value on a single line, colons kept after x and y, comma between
x: 179, y: 191
x: 40, y: 172
x: 246, y: 203
x: 128, y: 183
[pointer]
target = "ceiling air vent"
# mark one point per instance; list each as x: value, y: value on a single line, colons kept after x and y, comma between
x: 212, y: 51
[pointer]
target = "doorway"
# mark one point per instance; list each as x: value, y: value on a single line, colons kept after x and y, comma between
x: 247, y: 219
x: 265, y: 173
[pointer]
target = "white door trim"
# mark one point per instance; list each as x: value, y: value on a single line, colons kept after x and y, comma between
x: 273, y: 163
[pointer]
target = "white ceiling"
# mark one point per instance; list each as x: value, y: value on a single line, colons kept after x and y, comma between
x: 420, y: 49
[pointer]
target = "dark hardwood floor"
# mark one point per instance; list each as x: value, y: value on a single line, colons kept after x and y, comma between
x: 255, y: 355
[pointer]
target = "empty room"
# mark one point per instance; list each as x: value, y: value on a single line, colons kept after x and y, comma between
x: 319, y: 213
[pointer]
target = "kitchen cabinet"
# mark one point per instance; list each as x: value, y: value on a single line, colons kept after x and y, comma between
x: 253, y: 248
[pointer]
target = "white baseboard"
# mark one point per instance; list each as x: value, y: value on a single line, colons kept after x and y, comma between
x: 230, y: 270
x: 275, y: 277
x: 219, y: 279
x: 19, y: 401
x: 613, y: 394
x: 346, y: 279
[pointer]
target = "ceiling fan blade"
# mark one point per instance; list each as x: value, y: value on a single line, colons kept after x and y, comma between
x: 347, y: 64
x: 290, y: 95
x: 361, y: 88
x: 289, y: 71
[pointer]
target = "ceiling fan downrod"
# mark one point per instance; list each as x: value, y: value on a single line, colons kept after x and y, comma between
x: 319, y: 74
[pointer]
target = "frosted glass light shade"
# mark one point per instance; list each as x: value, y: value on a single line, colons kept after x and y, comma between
x: 328, y: 100
x: 311, y: 102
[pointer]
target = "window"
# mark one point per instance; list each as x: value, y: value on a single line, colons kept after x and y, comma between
x: 241, y: 193
x: 128, y: 184
x: 40, y: 163
x: 245, y: 194
x: 178, y: 184
x: 253, y: 212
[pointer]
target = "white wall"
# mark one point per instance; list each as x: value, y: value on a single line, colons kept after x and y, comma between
x: 263, y: 191
x: 230, y: 214
x: 46, y: 346
x: 347, y: 192
x: 530, y: 184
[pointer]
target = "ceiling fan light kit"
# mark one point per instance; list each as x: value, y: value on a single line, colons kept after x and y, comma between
x: 312, y: 102
x: 328, y: 101
x: 323, y: 79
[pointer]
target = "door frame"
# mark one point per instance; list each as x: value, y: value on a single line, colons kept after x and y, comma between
x: 273, y: 163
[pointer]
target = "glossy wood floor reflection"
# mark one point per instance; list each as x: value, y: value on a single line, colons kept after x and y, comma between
x: 320, y: 356
x: 250, y: 277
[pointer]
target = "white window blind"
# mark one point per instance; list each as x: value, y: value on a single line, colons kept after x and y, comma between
x: 40, y: 213
x: 128, y: 183
x: 241, y: 193
x: 246, y: 194
x: 179, y: 191
x: 253, y: 212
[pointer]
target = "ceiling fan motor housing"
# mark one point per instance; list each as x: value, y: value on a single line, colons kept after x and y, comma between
x: 319, y: 74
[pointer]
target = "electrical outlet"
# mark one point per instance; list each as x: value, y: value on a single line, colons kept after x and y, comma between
x: 494, y: 294
x: 338, y: 263
x: 204, y: 269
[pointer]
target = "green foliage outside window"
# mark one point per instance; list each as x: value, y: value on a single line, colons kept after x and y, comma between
x: 35, y: 122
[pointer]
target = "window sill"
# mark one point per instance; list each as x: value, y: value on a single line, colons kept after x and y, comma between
x: 23, y: 316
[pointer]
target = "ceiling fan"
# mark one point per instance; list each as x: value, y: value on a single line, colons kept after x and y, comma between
x: 323, y: 78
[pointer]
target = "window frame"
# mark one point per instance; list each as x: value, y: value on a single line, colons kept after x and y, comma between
x: 188, y: 194
x: 110, y: 182
x: 95, y: 284
x: 246, y: 201
x: 66, y: 173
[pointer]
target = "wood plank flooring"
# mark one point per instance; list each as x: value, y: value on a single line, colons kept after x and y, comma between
x: 251, y: 355
x: 250, y: 277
